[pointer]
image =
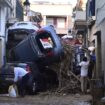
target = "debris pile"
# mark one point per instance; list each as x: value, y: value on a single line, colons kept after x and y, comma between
x: 68, y: 81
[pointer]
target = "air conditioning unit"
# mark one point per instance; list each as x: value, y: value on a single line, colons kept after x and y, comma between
x: 93, y: 17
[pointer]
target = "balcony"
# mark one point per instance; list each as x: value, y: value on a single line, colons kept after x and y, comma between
x: 80, y: 20
x: 80, y: 15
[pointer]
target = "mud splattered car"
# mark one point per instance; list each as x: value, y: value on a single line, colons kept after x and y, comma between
x: 7, y: 75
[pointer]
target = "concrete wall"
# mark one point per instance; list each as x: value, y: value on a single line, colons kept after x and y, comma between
x: 100, y: 12
x: 2, y: 36
x: 7, y: 11
x: 102, y: 27
x: 91, y: 35
x: 5, y: 14
x: 100, y: 24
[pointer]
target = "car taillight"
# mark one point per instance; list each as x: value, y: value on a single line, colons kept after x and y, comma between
x: 28, y: 69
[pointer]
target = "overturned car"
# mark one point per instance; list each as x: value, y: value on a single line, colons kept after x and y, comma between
x: 42, y: 47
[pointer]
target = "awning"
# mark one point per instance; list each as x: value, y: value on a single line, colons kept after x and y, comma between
x: 80, y: 24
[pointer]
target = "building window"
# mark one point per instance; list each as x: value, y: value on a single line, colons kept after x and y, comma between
x: 49, y: 21
x: 61, y: 23
x: 56, y: 21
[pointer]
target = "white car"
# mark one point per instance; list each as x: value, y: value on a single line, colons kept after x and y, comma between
x: 24, y: 25
x: 19, y: 31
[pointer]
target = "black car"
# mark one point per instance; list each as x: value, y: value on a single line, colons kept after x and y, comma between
x: 7, y: 75
x: 41, y: 79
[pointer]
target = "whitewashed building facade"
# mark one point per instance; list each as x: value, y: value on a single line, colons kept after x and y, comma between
x: 100, y: 24
x: 9, y: 9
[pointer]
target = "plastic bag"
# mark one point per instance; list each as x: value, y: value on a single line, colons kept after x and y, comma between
x: 13, y: 91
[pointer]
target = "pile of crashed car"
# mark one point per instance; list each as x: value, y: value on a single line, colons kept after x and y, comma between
x: 33, y: 49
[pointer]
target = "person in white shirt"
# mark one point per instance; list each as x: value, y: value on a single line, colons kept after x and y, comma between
x: 84, y: 74
x: 19, y: 73
x: 21, y: 77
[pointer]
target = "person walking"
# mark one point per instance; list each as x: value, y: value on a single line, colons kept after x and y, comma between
x: 84, y: 74
x: 21, y: 77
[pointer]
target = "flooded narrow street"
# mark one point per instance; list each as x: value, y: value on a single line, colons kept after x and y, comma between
x: 48, y: 99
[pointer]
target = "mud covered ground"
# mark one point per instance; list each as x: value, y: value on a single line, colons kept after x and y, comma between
x: 47, y: 99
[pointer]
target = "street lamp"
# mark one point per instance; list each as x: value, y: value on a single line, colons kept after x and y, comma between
x: 26, y: 7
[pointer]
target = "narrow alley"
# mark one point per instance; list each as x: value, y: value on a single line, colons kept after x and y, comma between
x: 52, y: 52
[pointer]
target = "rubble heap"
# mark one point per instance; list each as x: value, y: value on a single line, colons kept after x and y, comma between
x: 68, y: 81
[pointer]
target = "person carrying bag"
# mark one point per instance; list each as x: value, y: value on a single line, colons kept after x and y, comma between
x: 13, y: 91
x: 21, y: 78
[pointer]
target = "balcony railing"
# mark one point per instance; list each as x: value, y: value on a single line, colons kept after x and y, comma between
x: 80, y: 15
x: 80, y: 20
